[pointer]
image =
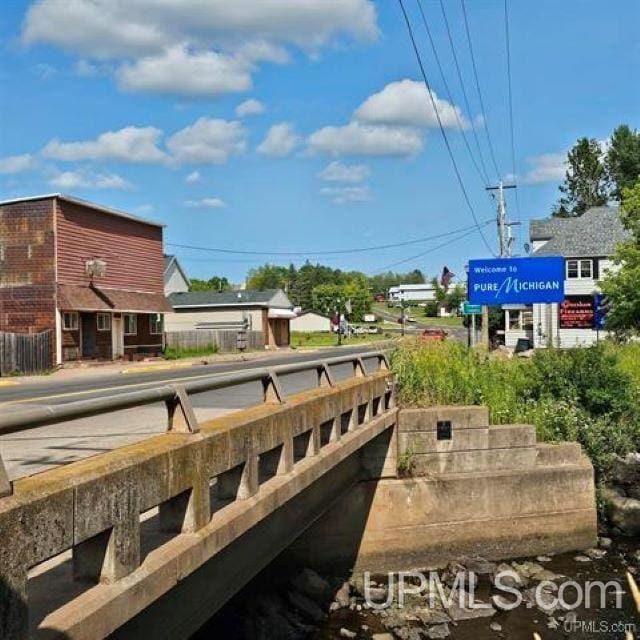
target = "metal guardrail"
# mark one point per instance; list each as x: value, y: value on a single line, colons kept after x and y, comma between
x: 177, y: 395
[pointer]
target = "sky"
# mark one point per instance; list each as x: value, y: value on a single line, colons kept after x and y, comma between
x: 304, y: 126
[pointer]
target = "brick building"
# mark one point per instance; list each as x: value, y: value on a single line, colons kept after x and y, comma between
x: 91, y: 275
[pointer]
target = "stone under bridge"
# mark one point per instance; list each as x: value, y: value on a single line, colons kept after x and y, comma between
x: 149, y: 540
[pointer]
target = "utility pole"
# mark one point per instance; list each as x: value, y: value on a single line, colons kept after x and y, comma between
x: 505, y: 241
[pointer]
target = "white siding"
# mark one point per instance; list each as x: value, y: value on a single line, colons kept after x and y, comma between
x: 310, y: 322
x: 174, y: 281
x: 188, y: 320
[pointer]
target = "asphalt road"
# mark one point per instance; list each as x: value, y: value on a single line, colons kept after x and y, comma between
x: 42, y: 448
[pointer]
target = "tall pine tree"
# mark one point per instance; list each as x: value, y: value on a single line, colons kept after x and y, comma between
x: 623, y: 160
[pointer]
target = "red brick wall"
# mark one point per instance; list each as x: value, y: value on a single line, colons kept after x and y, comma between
x: 27, y: 273
x: 132, y: 250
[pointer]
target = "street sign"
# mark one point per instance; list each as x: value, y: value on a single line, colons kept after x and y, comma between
x: 471, y: 309
x: 516, y: 280
x: 602, y: 306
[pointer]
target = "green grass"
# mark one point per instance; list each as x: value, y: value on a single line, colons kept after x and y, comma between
x: 453, y: 321
x: 321, y: 339
x: 175, y: 354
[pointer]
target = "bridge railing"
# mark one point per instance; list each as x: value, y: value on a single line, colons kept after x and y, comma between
x: 190, y: 474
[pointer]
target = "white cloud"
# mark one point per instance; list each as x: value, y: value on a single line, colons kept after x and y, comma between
x: 193, y: 177
x: 16, y: 164
x: 83, y: 179
x: 208, y: 141
x: 135, y: 33
x: 250, y: 107
x: 206, y: 203
x: 407, y: 103
x: 130, y: 144
x: 86, y: 68
x: 280, y: 140
x: 340, y: 195
x: 336, y: 171
x: 356, y: 138
x: 547, y: 167
x: 180, y: 71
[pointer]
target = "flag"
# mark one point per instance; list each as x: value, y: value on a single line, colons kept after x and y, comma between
x: 446, y: 277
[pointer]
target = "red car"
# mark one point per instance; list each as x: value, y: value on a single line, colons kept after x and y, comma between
x: 438, y: 335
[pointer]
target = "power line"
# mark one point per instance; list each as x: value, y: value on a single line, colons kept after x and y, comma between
x: 464, y: 92
x: 442, y: 131
x: 475, y: 74
x: 324, y: 252
x: 430, y: 250
x: 483, y: 176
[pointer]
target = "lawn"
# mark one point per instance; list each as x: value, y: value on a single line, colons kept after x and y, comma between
x: 453, y: 321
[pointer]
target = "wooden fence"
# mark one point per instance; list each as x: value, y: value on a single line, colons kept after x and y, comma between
x: 224, y: 341
x: 24, y: 352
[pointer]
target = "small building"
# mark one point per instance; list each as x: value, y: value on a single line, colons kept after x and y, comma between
x: 587, y: 243
x: 268, y: 312
x: 412, y: 293
x: 89, y: 274
x: 175, y: 277
x: 310, y: 321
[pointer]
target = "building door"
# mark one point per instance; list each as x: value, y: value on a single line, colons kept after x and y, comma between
x: 88, y: 326
x: 117, y: 337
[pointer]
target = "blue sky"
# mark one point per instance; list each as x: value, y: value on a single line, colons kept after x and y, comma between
x: 335, y: 144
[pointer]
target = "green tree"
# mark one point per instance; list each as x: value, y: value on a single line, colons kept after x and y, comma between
x: 215, y: 283
x: 585, y: 183
x: 622, y: 159
x: 621, y: 286
x: 455, y: 297
x: 327, y: 298
x: 268, y: 276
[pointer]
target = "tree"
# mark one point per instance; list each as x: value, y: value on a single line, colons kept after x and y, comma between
x: 621, y: 285
x: 215, y: 283
x: 327, y: 298
x: 268, y: 276
x: 585, y: 183
x: 622, y: 160
x: 455, y: 297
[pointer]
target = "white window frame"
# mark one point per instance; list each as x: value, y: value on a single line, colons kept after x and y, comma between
x: 155, y: 324
x: 107, y: 325
x: 134, y: 318
x: 73, y: 326
x: 582, y: 265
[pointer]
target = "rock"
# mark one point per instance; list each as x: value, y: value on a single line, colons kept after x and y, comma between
x: 457, y: 612
x: 342, y: 596
x: 543, y: 559
x: 381, y: 636
x: 545, y: 574
x: 310, y: 584
x: 582, y: 558
x: 308, y: 610
x: 494, y: 626
x: 626, y: 472
x: 595, y: 554
x: 345, y: 633
x: 512, y: 581
x: 478, y: 565
x: 546, y: 600
x: 605, y: 543
x: 623, y: 512
x: 409, y: 633
x: 437, y: 631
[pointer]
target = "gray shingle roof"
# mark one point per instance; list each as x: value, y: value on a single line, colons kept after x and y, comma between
x: 226, y: 298
x: 596, y: 233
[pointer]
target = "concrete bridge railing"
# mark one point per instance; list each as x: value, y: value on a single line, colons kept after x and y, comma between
x: 208, y: 484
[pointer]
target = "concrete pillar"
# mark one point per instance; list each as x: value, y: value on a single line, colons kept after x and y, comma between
x: 189, y: 511
x: 14, y: 611
x: 285, y: 464
x: 380, y: 456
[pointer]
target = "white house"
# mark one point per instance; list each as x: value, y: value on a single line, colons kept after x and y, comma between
x: 412, y: 292
x: 175, y: 278
x: 310, y: 321
x: 587, y: 243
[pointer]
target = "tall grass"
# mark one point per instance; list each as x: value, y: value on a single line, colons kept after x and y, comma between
x: 584, y: 395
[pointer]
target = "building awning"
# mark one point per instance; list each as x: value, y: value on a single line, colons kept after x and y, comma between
x: 77, y: 298
x: 287, y: 314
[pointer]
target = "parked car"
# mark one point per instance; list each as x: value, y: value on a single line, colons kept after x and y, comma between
x: 434, y: 334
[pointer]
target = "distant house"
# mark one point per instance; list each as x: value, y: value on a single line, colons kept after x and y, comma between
x: 268, y: 312
x: 310, y: 321
x: 175, y: 278
x: 587, y: 244
x: 412, y: 293
x: 89, y: 274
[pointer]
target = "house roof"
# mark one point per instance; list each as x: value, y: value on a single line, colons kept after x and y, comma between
x: 83, y: 203
x: 266, y: 298
x: 78, y: 298
x: 595, y: 233
x: 171, y: 259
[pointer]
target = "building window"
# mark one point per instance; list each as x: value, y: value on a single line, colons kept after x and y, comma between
x: 579, y: 269
x: 70, y: 320
x: 104, y: 321
x: 130, y: 324
x: 155, y: 323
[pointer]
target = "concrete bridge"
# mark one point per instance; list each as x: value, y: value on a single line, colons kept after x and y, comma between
x: 151, y: 539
